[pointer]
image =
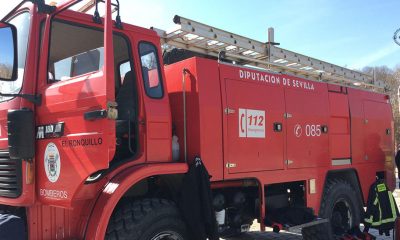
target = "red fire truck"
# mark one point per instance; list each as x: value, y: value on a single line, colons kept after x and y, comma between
x: 99, y: 121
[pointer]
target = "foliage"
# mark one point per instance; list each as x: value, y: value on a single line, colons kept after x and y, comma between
x: 5, y: 71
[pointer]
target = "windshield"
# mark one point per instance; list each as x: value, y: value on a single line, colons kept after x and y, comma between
x: 22, y: 23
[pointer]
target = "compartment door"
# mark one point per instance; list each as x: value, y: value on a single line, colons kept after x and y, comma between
x: 252, y: 111
x: 307, y: 115
x: 339, y: 129
x: 377, y: 131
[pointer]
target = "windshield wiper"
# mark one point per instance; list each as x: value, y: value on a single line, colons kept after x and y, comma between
x: 35, y: 99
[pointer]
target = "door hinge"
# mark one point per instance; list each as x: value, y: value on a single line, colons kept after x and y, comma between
x: 287, y: 115
x: 288, y: 162
x: 230, y: 165
x: 229, y: 111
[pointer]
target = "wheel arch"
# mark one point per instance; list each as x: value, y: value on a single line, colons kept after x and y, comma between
x: 116, y: 189
x: 350, y: 175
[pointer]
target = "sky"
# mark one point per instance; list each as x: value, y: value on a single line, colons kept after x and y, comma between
x: 349, y: 33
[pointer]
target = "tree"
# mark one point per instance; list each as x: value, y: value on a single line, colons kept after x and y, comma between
x: 5, y: 71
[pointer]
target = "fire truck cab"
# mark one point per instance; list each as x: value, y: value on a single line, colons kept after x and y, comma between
x: 89, y: 114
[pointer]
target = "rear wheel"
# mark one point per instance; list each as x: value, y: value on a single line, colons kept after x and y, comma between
x: 341, y: 204
x: 148, y: 219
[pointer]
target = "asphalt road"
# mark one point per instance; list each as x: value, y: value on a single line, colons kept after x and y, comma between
x: 255, y: 234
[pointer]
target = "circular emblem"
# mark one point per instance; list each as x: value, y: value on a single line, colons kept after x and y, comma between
x: 52, y: 163
x: 396, y: 36
x: 298, y: 130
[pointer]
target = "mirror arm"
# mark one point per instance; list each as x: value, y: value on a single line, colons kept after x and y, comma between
x: 35, y: 99
x: 97, y: 18
x: 43, y: 7
x: 96, y: 15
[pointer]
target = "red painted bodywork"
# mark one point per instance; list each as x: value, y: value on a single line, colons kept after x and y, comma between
x: 211, y: 87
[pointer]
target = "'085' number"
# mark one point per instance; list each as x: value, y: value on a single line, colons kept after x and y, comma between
x: 313, y: 130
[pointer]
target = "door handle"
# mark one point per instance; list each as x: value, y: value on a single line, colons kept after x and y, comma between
x: 94, y: 115
x: 278, y: 127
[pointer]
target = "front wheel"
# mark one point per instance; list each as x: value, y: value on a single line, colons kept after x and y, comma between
x: 148, y: 219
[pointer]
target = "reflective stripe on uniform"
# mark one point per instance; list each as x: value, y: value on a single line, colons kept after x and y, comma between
x: 381, y: 187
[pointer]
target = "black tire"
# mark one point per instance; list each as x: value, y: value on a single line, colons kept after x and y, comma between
x: 148, y: 219
x: 342, y: 205
x: 317, y: 232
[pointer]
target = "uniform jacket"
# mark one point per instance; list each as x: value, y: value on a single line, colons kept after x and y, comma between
x: 381, y: 208
x: 195, y: 203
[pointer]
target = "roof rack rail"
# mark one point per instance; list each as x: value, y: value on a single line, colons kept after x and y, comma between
x: 89, y: 5
x: 201, y: 38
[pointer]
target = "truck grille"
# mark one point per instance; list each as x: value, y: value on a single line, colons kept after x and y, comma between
x: 10, y: 176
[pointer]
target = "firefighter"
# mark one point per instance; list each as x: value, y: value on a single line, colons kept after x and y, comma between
x: 381, y: 208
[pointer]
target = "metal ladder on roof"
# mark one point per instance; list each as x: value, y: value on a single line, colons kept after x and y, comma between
x: 87, y: 5
x: 204, y: 39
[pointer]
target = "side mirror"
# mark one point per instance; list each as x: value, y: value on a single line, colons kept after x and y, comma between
x: 21, y: 134
x: 8, y: 52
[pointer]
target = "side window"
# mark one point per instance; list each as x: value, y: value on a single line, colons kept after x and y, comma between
x: 124, y: 68
x: 74, y: 51
x: 151, y: 70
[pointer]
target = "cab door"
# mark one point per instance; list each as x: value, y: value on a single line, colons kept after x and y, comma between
x: 158, y: 112
x: 75, y: 134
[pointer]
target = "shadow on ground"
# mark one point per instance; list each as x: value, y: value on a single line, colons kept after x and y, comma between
x: 267, y: 235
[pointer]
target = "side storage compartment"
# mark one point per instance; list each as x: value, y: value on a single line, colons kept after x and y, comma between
x: 377, y: 130
x: 307, y: 114
x: 339, y: 128
x: 200, y: 88
x: 253, y: 120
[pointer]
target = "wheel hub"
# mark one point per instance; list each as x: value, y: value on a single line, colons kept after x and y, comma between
x: 167, y: 235
x: 341, y: 219
x: 336, y: 219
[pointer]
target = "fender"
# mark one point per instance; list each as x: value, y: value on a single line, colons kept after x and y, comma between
x: 117, y: 187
